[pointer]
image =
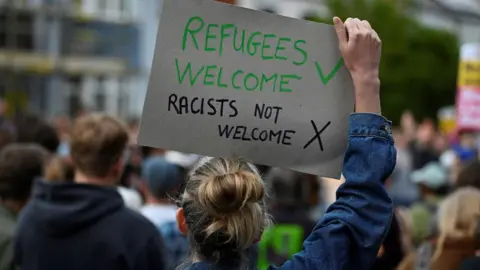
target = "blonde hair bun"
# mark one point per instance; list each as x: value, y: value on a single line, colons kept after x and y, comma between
x: 227, y: 193
x: 225, y: 197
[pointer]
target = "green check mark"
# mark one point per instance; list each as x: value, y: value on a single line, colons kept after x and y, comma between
x: 326, y: 78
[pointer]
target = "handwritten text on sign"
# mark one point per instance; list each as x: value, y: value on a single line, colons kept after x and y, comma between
x: 228, y: 81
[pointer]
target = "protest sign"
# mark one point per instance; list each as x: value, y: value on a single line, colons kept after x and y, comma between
x: 229, y: 81
x: 468, y: 92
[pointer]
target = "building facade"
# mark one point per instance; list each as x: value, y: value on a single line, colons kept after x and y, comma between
x: 58, y: 57
x: 459, y: 16
x: 64, y: 56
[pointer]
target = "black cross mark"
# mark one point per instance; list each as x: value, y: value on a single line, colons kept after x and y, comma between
x: 317, y: 135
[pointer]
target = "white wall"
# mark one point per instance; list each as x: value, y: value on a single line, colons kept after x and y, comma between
x: 289, y: 8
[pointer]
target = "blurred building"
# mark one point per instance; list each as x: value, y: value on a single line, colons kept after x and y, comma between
x: 459, y: 16
x: 65, y: 56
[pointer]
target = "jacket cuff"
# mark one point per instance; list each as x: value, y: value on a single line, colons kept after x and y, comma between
x: 370, y: 125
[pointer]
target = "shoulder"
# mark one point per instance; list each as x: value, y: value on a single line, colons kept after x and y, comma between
x: 7, y: 228
x: 133, y: 219
x: 137, y: 232
x: 419, y: 209
x: 6, y: 238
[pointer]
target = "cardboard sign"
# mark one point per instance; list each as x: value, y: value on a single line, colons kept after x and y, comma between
x: 229, y: 81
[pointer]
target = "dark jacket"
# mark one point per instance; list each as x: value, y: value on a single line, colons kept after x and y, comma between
x: 84, y: 227
x: 350, y: 233
x: 472, y: 263
x: 7, y: 227
x: 292, y: 225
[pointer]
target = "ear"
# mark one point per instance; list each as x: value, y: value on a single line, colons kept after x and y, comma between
x: 182, y: 225
x: 381, y: 251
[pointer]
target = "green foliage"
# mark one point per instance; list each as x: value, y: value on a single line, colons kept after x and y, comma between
x: 419, y: 64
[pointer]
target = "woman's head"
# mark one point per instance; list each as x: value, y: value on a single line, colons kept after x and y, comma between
x: 459, y: 214
x: 222, y: 209
x: 458, y: 217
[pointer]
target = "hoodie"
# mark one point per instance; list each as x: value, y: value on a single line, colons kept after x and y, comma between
x: 78, y: 226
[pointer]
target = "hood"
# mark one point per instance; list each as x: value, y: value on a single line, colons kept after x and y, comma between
x: 66, y: 208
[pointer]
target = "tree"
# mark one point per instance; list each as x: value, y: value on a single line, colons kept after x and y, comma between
x: 419, y: 63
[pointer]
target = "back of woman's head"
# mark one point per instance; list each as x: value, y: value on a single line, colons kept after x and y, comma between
x: 458, y: 218
x: 459, y: 213
x: 224, y: 210
x: 286, y: 187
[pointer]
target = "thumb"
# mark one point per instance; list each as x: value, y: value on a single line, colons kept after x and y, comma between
x: 341, y: 31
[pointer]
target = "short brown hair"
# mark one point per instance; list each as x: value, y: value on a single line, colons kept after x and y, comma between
x: 98, y: 142
x: 20, y: 164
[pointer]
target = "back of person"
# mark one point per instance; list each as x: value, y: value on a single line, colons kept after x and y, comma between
x: 433, y: 182
x: 453, y: 253
x: 19, y: 165
x: 161, y: 181
x: 423, y: 215
x: 93, y: 231
x: 176, y: 243
x: 392, y: 250
x: 289, y: 209
x: 85, y: 225
x: 472, y: 263
x: 457, y: 238
x: 33, y: 129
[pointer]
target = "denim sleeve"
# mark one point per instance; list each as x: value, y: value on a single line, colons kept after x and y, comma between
x: 354, y: 226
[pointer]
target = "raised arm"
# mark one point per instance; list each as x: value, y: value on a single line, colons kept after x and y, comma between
x: 351, y: 232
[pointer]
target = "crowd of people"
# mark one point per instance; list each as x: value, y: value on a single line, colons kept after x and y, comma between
x: 82, y: 194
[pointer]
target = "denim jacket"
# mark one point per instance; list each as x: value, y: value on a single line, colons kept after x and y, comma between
x: 350, y: 233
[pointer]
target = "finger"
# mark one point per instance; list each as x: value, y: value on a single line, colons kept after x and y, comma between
x: 358, y: 24
x: 352, y: 29
x: 340, y: 29
x: 376, y: 37
x: 366, y: 24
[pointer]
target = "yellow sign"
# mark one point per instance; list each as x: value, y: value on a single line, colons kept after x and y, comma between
x: 469, y: 73
x: 447, y: 119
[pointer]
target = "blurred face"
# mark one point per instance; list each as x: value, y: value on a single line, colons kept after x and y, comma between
x: 425, y: 133
x: 400, y: 139
x: 440, y: 143
x: 3, y: 106
x: 468, y: 140
x: 408, y: 121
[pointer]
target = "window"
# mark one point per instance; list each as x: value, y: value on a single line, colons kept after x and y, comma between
x: 16, y: 29
x: 100, y: 95
x: 74, y: 97
x: 123, y: 100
